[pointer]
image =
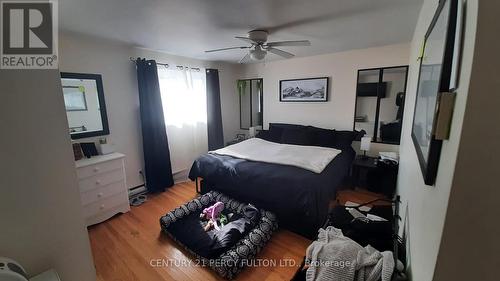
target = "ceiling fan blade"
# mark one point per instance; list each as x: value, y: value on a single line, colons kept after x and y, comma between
x: 245, y: 59
x: 289, y: 43
x: 224, y: 49
x: 280, y: 53
x: 246, y: 39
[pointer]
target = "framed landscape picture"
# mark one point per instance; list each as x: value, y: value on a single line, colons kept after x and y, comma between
x: 435, y: 78
x: 304, y: 90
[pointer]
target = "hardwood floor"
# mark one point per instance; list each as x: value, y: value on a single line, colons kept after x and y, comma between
x: 130, y: 246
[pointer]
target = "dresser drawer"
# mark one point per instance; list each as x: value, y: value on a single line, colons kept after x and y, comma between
x: 101, y: 180
x: 102, y: 192
x: 99, y: 168
x: 105, y: 204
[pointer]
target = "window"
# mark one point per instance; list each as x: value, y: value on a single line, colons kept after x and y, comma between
x: 184, y: 99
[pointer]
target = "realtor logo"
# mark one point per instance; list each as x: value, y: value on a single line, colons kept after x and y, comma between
x: 28, y: 35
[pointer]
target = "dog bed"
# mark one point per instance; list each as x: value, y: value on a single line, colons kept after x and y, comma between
x: 183, y: 224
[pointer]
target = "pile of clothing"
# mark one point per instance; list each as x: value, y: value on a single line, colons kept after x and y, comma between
x: 227, y: 228
x: 334, y: 256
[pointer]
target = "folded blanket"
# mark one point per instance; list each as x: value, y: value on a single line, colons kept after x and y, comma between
x: 312, y: 158
x: 336, y: 257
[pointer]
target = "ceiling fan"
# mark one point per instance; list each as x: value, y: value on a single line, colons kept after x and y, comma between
x: 259, y: 46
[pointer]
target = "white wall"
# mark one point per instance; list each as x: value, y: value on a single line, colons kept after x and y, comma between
x: 342, y: 68
x: 424, y: 207
x: 84, y: 54
x: 41, y: 219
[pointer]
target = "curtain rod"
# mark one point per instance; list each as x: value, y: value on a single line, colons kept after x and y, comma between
x: 180, y: 67
x: 158, y: 63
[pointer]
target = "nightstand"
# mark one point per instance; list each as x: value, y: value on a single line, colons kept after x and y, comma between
x: 361, y: 166
x: 375, y: 175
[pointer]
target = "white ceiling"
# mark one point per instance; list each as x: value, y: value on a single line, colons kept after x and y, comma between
x: 189, y: 27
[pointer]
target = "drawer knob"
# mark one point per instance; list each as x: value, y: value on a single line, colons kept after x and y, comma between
x: 99, y: 194
x: 96, y: 169
x: 102, y: 206
x: 97, y: 182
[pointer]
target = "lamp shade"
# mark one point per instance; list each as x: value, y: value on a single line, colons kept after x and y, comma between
x: 365, y: 143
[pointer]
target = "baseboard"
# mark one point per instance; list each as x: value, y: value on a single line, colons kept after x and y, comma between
x: 137, y: 190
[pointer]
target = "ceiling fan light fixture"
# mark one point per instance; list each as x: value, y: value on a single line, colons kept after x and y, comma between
x: 258, y: 53
x: 259, y: 47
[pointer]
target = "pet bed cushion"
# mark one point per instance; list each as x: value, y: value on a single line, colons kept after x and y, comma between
x: 183, y: 224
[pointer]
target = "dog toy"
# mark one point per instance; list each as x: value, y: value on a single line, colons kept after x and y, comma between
x: 211, y: 214
x: 209, y: 225
x: 223, y: 220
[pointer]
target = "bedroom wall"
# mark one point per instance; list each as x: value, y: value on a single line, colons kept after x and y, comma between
x: 79, y: 53
x: 469, y: 246
x: 424, y: 207
x: 41, y: 219
x: 342, y: 69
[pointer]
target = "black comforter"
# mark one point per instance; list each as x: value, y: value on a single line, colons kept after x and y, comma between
x: 297, y: 196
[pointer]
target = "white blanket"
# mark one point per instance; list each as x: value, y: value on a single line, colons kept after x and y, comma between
x: 312, y: 158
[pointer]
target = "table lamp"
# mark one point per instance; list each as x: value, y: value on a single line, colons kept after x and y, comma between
x: 365, y: 145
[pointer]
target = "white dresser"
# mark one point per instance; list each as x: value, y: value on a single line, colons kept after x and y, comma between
x: 103, y: 189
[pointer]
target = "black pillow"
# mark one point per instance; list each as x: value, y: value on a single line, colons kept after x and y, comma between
x: 277, y: 129
x: 296, y: 136
x: 275, y: 134
x: 322, y: 137
x: 264, y: 134
x: 344, y: 139
x: 286, y: 126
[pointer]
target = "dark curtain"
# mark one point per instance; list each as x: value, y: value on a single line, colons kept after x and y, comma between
x: 154, y: 135
x: 214, y: 116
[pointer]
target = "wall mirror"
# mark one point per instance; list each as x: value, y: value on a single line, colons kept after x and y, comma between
x: 85, y: 106
x: 380, y: 95
x: 251, y: 103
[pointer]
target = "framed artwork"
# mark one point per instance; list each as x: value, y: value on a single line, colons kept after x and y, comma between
x: 74, y: 98
x: 435, y: 77
x: 304, y: 90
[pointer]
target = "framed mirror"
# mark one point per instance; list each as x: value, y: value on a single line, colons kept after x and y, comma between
x: 85, y: 105
x: 251, y: 103
x: 380, y: 95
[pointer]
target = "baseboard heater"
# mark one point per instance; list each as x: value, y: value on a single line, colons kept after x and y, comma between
x: 137, y: 190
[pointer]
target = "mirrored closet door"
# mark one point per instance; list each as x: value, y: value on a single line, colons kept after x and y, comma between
x: 251, y: 103
x: 380, y: 96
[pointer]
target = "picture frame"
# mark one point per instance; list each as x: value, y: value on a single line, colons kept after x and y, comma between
x: 304, y: 90
x: 74, y: 98
x: 435, y: 77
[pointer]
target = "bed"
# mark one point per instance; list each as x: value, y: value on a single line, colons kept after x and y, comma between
x: 298, y: 197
